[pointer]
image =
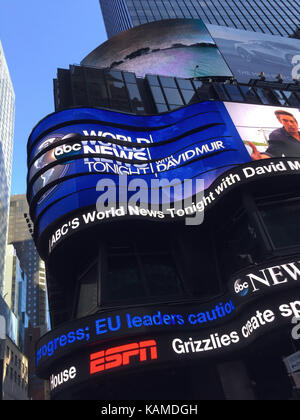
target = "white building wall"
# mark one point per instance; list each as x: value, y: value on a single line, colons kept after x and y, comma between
x: 7, y: 116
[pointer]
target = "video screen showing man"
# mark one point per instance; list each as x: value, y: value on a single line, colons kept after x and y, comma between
x: 283, y: 142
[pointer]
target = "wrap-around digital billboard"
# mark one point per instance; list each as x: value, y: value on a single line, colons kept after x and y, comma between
x: 71, y: 151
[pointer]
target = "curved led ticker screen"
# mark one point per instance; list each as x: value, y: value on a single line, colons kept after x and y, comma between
x: 260, y: 300
x: 259, y: 284
x: 127, y: 339
x: 71, y: 151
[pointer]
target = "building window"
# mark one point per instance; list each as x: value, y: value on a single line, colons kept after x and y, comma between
x: 135, y: 271
x: 281, y: 220
x: 117, y: 91
x: 238, y: 245
x: 234, y: 93
x: 88, y: 292
x: 157, y: 95
x: 173, y: 97
x: 293, y: 98
x: 249, y: 94
x: 135, y: 98
x: 266, y: 96
x: 205, y: 91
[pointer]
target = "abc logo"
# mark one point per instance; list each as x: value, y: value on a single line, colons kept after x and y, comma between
x: 241, y: 288
x: 69, y: 150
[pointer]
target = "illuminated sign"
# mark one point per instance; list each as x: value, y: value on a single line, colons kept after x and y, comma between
x: 130, y: 322
x: 122, y: 356
x: 259, y: 280
x: 234, y: 178
x: 221, y: 145
x: 70, y: 151
x: 97, y: 360
x: 281, y: 278
x: 62, y: 378
x: 238, y: 334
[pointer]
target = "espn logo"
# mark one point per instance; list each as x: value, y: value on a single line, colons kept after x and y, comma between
x: 122, y: 356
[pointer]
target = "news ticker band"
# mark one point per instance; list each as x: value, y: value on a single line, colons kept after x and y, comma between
x: 251, y: 173
x: 74, y: 354
x: 247, y: 286
x: 152, y: 349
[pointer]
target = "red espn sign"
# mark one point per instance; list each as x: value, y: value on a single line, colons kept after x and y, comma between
x: 121, y: 356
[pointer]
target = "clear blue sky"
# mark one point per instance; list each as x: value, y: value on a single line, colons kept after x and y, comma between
x: 38, y: 36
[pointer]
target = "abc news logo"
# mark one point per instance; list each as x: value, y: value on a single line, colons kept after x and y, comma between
x: 123, y: 356
x: 267, y: 278
x: 241, y: 288
x: 67, y: 149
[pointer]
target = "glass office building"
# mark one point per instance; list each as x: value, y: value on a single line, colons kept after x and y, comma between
x: 267, y: 16
x: 7, y: 110
x: 32, y: 265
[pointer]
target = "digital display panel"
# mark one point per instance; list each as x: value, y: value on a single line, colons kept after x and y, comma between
x: 198, y: 141
x: 250, y: 53
x: 94, y: 356
x: 219, y: 144
x: 256, y: 287
x: 175, y: 47
x: 267, y: 131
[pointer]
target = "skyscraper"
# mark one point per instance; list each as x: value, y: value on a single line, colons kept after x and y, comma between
x: 267, y: 16
x: 31, y: 263
x: 33, y: 267
x: 7, y: 104
x: 15, y: 283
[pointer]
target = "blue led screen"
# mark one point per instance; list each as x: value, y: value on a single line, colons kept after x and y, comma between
x: 70, y: 151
